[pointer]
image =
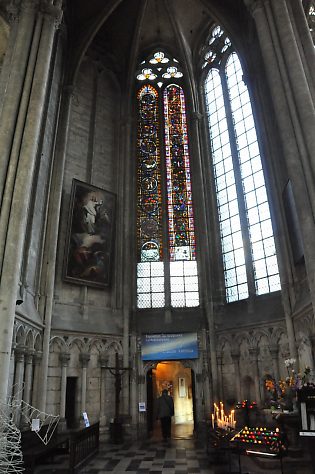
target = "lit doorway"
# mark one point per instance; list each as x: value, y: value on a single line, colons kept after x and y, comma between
x: 178, y: 380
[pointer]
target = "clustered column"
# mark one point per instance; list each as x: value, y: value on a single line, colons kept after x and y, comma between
x: 253, y: 352
x: 84, y: 359
x: 235, y: 354
x: 64, y: 358
x: 103, y: 364
x: 30, y: 71
x: 28, y: 377
x: 18, y: 382
x: 274, y: 351
x: 37, y: 358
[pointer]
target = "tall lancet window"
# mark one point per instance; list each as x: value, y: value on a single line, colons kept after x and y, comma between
x: 248, y: 246
x: 167, y: 268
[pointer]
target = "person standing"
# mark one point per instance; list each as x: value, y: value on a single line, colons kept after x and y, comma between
x: 165, y: 411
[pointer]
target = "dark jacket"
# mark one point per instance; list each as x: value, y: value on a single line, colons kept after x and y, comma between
x: 165, y: 406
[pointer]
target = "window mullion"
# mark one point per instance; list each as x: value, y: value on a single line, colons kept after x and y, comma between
x: 239, y: 188
x: 166, y: 256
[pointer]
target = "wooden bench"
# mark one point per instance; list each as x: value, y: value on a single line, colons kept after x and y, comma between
x: 34, y: 450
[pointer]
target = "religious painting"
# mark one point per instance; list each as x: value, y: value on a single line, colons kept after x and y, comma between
x: 89, y: 248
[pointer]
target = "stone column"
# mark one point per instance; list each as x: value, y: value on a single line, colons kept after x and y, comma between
x: 235, y: 354
x: 305, y: 37
x: 196, y: 124
x: 28, y: 378
x: 312, y: 339
x: 271, y: 30
x: 64, y: 358
x: 52, y: 232
x: 84, y: 359
x: 220, y: 374
x: 253, y: 352
x: 18, y: 382
x: 37, y: 358
x: 297, y: 77
x: 135, y: 350
x: 103, y: 365
x: 23, y: 28
x: 19, y: 178
x: 274, y: 352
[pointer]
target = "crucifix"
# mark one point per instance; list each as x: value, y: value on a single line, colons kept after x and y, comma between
x: 117, y: 372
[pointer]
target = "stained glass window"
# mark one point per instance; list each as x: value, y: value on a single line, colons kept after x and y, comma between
x: 247, y: 241
x: 166, y: 277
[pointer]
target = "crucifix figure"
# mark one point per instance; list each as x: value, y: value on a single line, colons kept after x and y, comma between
x: 117, y: 372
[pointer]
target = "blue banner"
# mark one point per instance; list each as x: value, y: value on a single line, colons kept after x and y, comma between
x: 169, y: 346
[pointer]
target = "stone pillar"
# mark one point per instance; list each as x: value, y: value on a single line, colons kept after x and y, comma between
x: 305, y: 37
x: 297, y: 77
x: 52, y: 232
x: 84, y: 359
x: 274, y: 352
x: 213, y: 353
x: 312, y: 339
x: 288, y: 100
x: 24, y: 27
x: 11, y: 379
x: 253, y: 352
x: 64, y: 358
x: 37, y: 358
x: 220, y: 374
x: 207, y: 385
x: 135, y: 349
x: 20, y: 166
x: 196, y: 124
x: 235, y: 354
x: 28, y: 378
x: 103, y: 365
x: 18, y: 382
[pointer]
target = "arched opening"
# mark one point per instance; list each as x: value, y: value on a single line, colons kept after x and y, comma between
x: 178, y: 380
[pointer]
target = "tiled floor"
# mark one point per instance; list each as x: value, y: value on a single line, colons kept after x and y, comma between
x: 180, y: 455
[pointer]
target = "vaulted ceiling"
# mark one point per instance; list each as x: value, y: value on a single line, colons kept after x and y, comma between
x: 122, y: 31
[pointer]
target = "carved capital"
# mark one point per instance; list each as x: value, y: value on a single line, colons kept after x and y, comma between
x: 254, y: 5
x: 19, y: 353
x: 29, y: 355
x: 52, y: 13
x: 64, y: 358
x: 274, y: 351
x: 196, y: 116
x: 253, y: 352
x: 37, y: 357
x: 84, y: 359
x: 235, y: 354
x: 103, y: 359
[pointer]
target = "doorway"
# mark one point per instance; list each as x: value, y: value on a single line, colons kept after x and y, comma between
x: 71, y: 392
x: 178, y: 380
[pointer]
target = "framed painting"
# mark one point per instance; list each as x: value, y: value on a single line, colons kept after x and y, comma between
x: 89, y: 246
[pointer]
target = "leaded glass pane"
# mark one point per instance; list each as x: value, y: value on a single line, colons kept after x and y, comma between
x: 149, y: 218
x: 180, y: 211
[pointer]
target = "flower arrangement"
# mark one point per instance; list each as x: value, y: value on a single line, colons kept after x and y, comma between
x: 283, y: 392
